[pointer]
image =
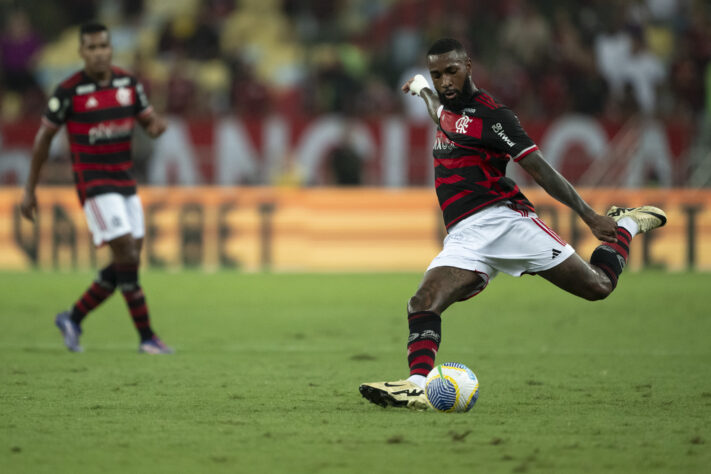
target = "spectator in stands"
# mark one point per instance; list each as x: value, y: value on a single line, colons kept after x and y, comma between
x: 19, y: 46
x: 645, y: 72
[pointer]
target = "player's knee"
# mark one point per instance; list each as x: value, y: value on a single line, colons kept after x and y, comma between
x: 125, y: 252
x: 421, y: 301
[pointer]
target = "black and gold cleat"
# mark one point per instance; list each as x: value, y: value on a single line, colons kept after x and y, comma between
x: 646, y: 217
x: 401, y: 393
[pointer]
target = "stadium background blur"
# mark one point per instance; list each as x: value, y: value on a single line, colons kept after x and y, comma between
x: 305, y: 95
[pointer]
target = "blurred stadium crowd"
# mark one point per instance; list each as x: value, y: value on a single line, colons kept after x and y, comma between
x: 607, y: 58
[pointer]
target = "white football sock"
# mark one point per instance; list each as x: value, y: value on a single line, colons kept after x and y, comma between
x: 629, y: 224
x: 418, y: 380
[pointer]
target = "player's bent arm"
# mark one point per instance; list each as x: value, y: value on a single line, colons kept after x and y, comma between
x: 40, y: 153
x: 603, y: 227
x: 432, y: 102
x: 418, y: 85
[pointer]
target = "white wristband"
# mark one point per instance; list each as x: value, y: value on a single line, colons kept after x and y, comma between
x: 418, y: 83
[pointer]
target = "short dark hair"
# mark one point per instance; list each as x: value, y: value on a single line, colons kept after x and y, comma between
x: 445, y: 45
x: 91, y: 27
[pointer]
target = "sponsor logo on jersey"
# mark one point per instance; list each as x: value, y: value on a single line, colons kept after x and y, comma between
x: 121, y: 82
x: 123, y: 96
x: 462, y: 124
x: 91, y: 102
x: 443, y: 144
x: 499, y: 131
x: 85, y: 89
x: 106, y: 131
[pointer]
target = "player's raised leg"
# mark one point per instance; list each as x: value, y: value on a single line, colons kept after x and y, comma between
x: 440, y: 287
x: 597, y: 279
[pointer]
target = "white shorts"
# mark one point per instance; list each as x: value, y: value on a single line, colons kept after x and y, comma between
x: 113, y: 215
x: 502, y: 238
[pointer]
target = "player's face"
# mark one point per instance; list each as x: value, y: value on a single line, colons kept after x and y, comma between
x: 95, y: 49
x: 450, y: 74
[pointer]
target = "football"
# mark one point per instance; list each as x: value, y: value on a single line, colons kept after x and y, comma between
x: 451, y: 387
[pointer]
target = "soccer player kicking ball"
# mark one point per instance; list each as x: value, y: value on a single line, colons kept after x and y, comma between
x: 99, y: 106
x: 491, y: 225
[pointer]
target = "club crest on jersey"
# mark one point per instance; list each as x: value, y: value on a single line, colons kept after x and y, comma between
x: 123, y: 96
x: 462, y: 124
x: 499, y: 131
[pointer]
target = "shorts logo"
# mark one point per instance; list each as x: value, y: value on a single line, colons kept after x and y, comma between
x: 556, y: 252
x: 116, y: 221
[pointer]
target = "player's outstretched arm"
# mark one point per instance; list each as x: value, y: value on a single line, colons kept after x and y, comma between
x: 153, y: 124
x: 418, y: 86
x: 40, y: 153
x: 602, y: 227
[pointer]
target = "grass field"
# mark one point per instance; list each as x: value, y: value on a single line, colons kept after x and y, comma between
x: 267, y: 368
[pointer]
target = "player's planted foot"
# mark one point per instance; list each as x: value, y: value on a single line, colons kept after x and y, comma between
x: 401, y: 393
x: 70, y: 330
x: 154, y: 346
x: 646, y: 217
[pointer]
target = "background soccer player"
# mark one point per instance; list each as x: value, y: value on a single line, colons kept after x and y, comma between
x: 491, y: 225
x: 99, y: 105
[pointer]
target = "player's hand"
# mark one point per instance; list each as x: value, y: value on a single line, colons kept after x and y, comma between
x: 603, y: 227
x: 156, y: 127
x: 415, y: 85
x: 28, y: 205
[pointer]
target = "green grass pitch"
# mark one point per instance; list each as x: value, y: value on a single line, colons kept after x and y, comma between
x: 266, y: 375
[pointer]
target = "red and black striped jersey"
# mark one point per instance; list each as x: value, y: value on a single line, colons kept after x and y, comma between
x: 100, y: 121
x: 471, y: 151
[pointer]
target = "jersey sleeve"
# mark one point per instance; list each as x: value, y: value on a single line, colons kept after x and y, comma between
x: 58, y: 108
x: 143, y: 106
x: 503, y: 132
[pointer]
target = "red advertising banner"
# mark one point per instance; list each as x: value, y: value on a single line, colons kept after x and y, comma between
x: 390, y: 152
